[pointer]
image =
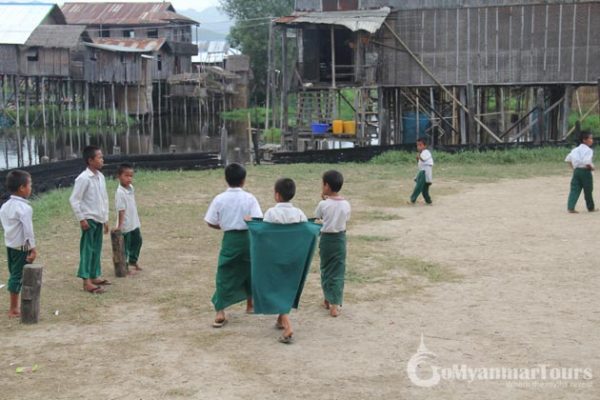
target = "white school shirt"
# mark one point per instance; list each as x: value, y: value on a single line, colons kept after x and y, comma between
x: 426, y: 164
x: 16, y: 216
x: 229, y: 208
x: 284, y: 213
x: 125, y: 201
x: 334, y: 212
x: 581, y: 156
x: 89, y: 199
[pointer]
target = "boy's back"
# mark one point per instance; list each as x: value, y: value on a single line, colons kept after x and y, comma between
x: 229, y: 208
x: 16, y: 216
x: 335, y: 213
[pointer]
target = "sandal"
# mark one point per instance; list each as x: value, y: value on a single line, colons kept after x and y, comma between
x: 102, y: 282
x: 219, y: 323
x: 286, y: 339
x: 96, y: 290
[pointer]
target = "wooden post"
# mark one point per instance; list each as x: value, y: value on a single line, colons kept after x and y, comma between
x: 472, y: 106
x: 118, y: 248
x: 16, y: 80
x: 30, y: 293
x: 332, y: 56
x: 27, y: 102
x: 269, y: 74
x: 70, y: 100
x: 566, y: 110
x: 541, y: 116
x: 43, y: 101
x: 284, y: 80
x: 127, y: 107
x: 114, y: 107
x: 87, y: 104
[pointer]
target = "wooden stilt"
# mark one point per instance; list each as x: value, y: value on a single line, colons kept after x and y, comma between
x: 113, y: 104
x: 69, y: 98
x: 87, y: 104
x: 30, y: 293
x: 16, y: 80
x: 43, y: 101
x: 126, y: 103
x: 26, y: 102
x: 566, y: 110
x: 118, y: 249
x: 541, y: 105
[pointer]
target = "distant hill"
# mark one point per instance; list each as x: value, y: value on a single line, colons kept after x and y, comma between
x: 214, y: 24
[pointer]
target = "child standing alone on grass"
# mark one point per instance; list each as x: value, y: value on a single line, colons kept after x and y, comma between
x: 425, y: 174
x: 89, y: 202
x: 16, y: 216
x: 580, y: 159
x: 128, y: 221
x: 227, y: 212
x: 284, y: 213
x: 334, y: 212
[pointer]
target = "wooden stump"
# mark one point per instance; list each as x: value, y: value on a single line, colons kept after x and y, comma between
x: 118, y: 248
x: 30, y: 293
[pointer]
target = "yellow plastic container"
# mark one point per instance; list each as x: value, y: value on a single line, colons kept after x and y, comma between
x: 337, y: 127
x: 350, y: 127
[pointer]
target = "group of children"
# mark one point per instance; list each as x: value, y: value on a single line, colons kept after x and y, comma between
x: 230, y: 210
x: 89, y: 201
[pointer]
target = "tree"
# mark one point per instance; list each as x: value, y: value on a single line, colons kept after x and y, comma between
x: 251, y: 35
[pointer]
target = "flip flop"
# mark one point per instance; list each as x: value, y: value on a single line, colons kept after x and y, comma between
x: 103, y: 282
x: 219, y: 323
x: 286, y: 339
x: 96, y: 290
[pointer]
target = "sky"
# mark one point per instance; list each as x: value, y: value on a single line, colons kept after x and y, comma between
x: 178, y: 4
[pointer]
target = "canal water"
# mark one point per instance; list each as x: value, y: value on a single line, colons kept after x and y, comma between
x: 21, y: 147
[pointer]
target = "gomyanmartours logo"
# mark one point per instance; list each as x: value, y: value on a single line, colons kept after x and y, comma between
x: 423, y: 372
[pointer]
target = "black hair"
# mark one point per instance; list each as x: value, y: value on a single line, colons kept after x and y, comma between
x: 422, y: 140
x: 235, y: 174
x: 334, y: 179
x: 286, y: 188
x: 15, y: 179
x: 123, y: 167
x: 89, y: 152
x: 584, y: 135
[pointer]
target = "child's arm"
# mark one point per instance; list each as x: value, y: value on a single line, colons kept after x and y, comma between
x: 31, y: 256
x: 121, y: 220
x: 214, y: 226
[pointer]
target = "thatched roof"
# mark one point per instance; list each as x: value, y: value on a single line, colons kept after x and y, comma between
x: 58, y: 36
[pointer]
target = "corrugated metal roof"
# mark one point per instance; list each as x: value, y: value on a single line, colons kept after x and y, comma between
x: 63, y: 36
x: 128, y: 45
x: 19, y: 20
x: 215, y: 51
x: 361, y: 20
x: 123, y: 14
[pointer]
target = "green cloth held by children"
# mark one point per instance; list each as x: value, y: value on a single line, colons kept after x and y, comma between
x: 332, y: 249
x: 281, y: 255
x: 233, y: 271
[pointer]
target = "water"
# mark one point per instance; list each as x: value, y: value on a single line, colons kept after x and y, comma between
x: 21, y: 147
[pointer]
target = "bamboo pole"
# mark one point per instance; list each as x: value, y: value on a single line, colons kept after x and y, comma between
x: 583, y: 117
x: 43, y: 101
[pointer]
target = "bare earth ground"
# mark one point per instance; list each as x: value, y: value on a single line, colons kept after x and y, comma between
x: 494, y: 274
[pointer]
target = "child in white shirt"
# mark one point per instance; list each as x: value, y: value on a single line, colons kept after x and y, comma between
x: 425, y: 175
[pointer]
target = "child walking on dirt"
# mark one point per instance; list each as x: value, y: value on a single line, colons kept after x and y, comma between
x: 89, y: 202
x: 425, y: 175
x: 128, y: 220
x: 334, y: 211
x: 16, y: 216
x: 227, y: 212
x: 581, y: 160
x: 284, y: 213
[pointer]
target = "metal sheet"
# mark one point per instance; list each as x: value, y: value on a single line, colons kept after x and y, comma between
x: 123, y: 14
x: 364, y: 20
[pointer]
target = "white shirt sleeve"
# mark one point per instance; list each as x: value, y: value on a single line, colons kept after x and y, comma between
x: 302, y: 216
x: 79, y: 189
x: 268, y: 215
x: 26, y: 218
x: 255, y: 211
x: 212, y: 214
x: 105, y: 200
x: 319, y: 211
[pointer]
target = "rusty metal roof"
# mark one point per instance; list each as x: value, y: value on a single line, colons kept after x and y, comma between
x: 19, y: 20
x: 128, y: 45
x: 361, y: 20
x: 123, y: 14
x: 57, y: 36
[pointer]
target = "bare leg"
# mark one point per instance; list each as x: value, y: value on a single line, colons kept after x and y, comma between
x: 14, y: 311
x: 220, y: 319
x: 334, y: 310
x: 287, y: 325
x: 326, y: 304
x: 279, y: 322
x: 249, y: 306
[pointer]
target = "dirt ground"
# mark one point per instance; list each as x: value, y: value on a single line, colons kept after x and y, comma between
x: 493, y: 275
